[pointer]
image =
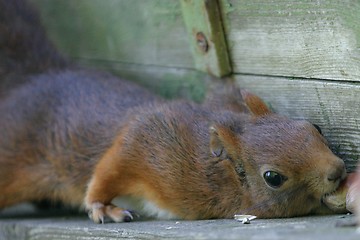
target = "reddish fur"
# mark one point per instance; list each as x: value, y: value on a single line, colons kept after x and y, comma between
x: 139, y: 174
x: 254, y: 103
x: 141, y: 179
x: 71, y: 134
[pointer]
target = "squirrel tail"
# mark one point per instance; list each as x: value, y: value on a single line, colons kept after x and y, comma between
x: 24, y: 46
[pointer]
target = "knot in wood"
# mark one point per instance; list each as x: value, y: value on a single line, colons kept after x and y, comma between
x: 202, y: 42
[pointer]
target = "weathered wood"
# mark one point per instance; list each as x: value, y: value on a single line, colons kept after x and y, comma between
x: 147, y: 41
x: 203, y: 21
x: 310, y: 39
x: 312, y: 228
x: 168, y: 82
x: 144, y: 32
x: 334, y: 106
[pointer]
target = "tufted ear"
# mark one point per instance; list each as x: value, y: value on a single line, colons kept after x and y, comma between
x: 254, y: 103
x: 223, y: 142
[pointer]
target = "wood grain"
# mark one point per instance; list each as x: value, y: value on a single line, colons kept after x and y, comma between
x: 311, y: 228
x: 203, y: 21
x: 309, y: 39
x: 334, y: 106
x: 136, y: 31
x: 168, y: 82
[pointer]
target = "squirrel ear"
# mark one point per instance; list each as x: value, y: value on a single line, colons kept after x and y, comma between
x: 254, y: 103
x: 223, y: 141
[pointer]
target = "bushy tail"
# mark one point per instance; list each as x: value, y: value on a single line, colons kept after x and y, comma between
x: 24, y: 46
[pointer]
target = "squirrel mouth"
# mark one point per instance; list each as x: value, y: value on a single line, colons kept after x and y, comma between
x: 337, y: 190
x: 331, y: 193
x: 335, y: 200
x: 327, y: 195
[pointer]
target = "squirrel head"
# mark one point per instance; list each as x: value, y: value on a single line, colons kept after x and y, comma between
x: 285, y: 166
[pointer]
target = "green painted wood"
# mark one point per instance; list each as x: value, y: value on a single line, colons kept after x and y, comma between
x: 204, y: 25
x: 150, y: 32
x: 168, y: 82
x: 334, y: 106
x: 309, y: 39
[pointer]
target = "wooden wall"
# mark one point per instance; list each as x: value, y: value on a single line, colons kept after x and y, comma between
x: 143, y: 40
x: 301, y: 57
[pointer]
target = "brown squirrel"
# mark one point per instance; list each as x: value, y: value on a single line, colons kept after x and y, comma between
x: 89, y: 139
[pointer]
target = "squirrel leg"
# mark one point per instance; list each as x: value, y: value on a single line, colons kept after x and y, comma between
x: 98, y: 199
x: 110, y: 179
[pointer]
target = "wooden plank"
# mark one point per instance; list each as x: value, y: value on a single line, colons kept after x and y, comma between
x: 203, y: 21
x: 136, y: 31
x: 55, y: 228
x: 334, y: 106
x: 168, y: 82
x: 309, y: 39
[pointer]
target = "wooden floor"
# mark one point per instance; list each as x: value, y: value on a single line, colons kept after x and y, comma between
x: 23, y: 223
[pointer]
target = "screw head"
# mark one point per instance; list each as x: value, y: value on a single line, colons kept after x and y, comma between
x: 202, y: 42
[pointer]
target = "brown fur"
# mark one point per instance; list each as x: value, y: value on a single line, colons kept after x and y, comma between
x: 70, y: 134
x: 22, y: 46
x: 192, y: 182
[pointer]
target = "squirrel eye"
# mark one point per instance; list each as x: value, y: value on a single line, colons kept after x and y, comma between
x: 274, y: 179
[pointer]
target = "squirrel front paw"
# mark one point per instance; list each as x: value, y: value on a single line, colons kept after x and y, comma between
x: 98, y: 211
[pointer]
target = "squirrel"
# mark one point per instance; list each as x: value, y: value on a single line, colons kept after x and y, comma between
x: 93, y: 140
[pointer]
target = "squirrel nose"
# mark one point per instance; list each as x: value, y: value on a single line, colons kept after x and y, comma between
x: 338, y: 173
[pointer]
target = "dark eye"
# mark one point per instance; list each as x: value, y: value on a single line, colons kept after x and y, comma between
x: 274, y: 179
x: 318, y: 128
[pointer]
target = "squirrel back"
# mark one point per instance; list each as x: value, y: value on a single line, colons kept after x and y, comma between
x: 24, y: 46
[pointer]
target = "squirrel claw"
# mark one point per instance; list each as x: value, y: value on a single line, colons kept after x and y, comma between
x: 128, y: 216
x: 96, y: 213
x: 99, y: 211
